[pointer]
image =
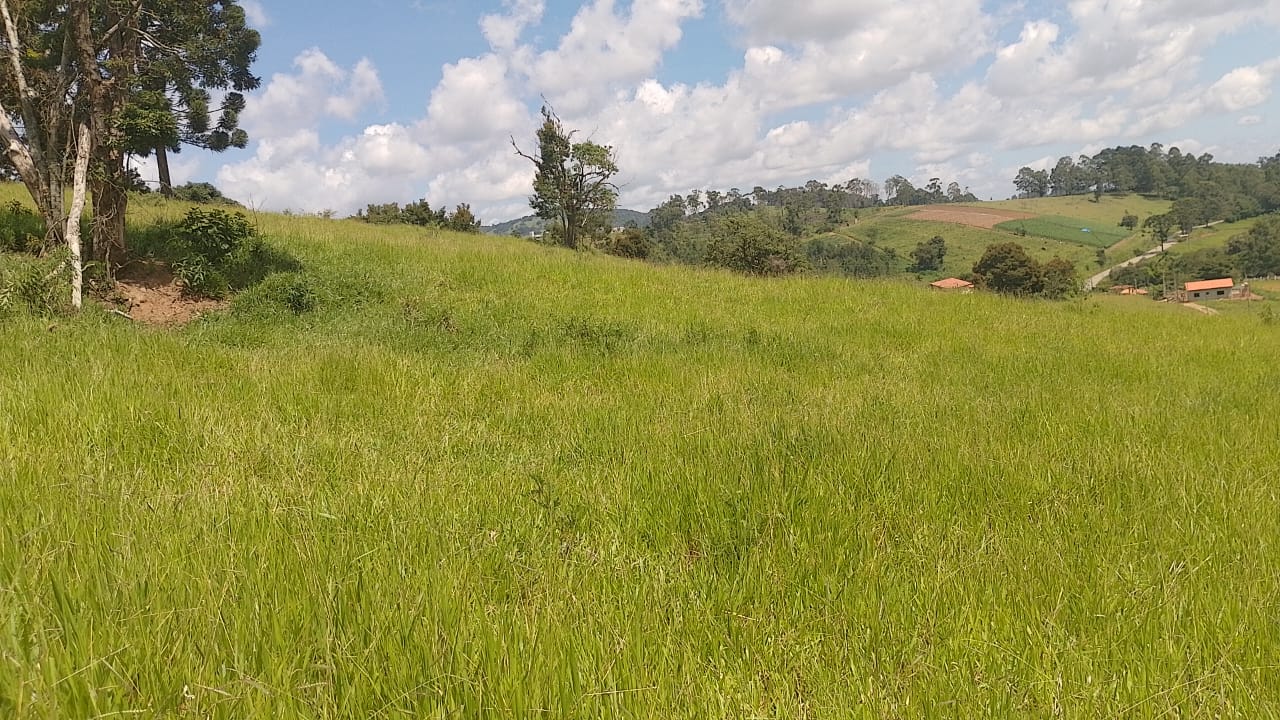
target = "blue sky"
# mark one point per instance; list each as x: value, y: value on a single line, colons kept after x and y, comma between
x: 393, y: 100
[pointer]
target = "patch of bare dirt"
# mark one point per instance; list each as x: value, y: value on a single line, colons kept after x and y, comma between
x: 149, y: 293
x: 1200, y: 308
x: 973, y: 217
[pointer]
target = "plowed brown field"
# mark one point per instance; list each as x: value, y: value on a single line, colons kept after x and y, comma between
x: 973, y: 217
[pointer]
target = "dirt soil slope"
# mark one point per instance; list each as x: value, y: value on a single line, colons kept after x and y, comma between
x: 152, y: 296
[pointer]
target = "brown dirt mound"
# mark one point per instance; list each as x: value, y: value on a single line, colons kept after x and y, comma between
x: 151, y: 295
x: 973, y: 217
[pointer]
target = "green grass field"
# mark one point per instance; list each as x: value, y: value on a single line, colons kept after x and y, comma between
x: 1215, y: 236
x: 488, y: 479
x: 1068, y: 229
x: 1108, y: 211
x: 965, y: 244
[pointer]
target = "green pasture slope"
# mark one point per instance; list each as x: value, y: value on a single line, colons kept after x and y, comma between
x: 1068, y: 229
x: 1108, y: 210
x: 1102, y: 215
x: 965, y: 244
x: 488, y: 479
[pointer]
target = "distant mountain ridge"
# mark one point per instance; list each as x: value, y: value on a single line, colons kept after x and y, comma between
x: 531, y: 224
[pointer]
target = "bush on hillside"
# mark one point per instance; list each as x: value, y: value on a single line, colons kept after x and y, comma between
x: 851, y: 258
x: 1059, y: 279
x: 212, y: 252
x: 214, y: 235
x: 928, y: 256
x: 1007, y: 268
x: 202, y: 193
x: 747, y: 244
x: 35, y: 286
x: 630, y: 243
x: 420, y: 214
x: 21, y: 229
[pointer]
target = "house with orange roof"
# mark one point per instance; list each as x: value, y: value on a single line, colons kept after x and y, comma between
x: 952, y: 284
x: 1219, y: 289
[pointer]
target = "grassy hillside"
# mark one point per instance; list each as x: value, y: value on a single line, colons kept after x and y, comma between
x: 1107, y: 211
x: 485, y: 478
x: 965, y: 244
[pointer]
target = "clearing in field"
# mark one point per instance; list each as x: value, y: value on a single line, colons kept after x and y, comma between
x: 1068, y: 229
x: 973, y: 217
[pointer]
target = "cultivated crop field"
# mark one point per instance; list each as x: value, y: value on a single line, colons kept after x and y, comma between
x: 1068, y: 229
x: 487, y: 479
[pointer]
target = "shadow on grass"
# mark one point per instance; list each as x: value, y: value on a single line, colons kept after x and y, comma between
x: 250, y: 263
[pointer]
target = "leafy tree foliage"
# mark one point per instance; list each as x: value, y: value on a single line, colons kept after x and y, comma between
x: 1007, y: 268
x: 197, y: 48
x: 1204, y: 190
x: 462, y: 220
x: 1032, y: 183
x: 1060, y: 279
x: 1204, y: 264
x: 851, y: 258
x: 1258, y: 251
x: 381, y: 214
x: 1129, y: 221
x: 747, y: 244
x: 419, y: 213
x: 573, y: 186
x: 631, y: 243
x: 202, y: 193
x: 928, y: 256
x: 131, y: 75
x: 1160, y: 227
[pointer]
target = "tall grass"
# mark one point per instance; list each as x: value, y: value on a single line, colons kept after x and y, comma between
x: 483, y: 478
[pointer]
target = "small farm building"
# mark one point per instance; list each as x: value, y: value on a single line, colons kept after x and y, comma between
x: 1210, y: 289
x: 952, y: 284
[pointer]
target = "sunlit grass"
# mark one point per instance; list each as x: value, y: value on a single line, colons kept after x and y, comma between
x: 490, y: 479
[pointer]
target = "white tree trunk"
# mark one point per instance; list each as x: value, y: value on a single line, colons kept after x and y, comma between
x: 84, y: 141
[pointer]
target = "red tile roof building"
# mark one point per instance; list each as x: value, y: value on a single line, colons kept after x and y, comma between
x: 952, y: 284
x: 1209, y: 289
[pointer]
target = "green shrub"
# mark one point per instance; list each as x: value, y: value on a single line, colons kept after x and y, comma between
x: 31, y: 285
x: 215, y: 235
x: 199, y: 277
x: 21, y: 229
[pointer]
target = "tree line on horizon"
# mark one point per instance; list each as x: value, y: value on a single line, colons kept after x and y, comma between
x: 1202, y: 189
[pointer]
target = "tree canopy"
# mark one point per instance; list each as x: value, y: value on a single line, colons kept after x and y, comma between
x: 573, y: 187
x: 117, y: 77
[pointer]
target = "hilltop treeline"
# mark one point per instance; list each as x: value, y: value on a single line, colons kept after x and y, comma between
x: 854, y: 194
x: 420, y: 213
x: 1203, y: 190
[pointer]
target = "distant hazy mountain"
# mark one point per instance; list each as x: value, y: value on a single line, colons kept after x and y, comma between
x: 533, y: 224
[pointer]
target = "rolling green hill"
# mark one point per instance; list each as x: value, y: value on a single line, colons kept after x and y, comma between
x: 484, y: 478
x: 965, y: 244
